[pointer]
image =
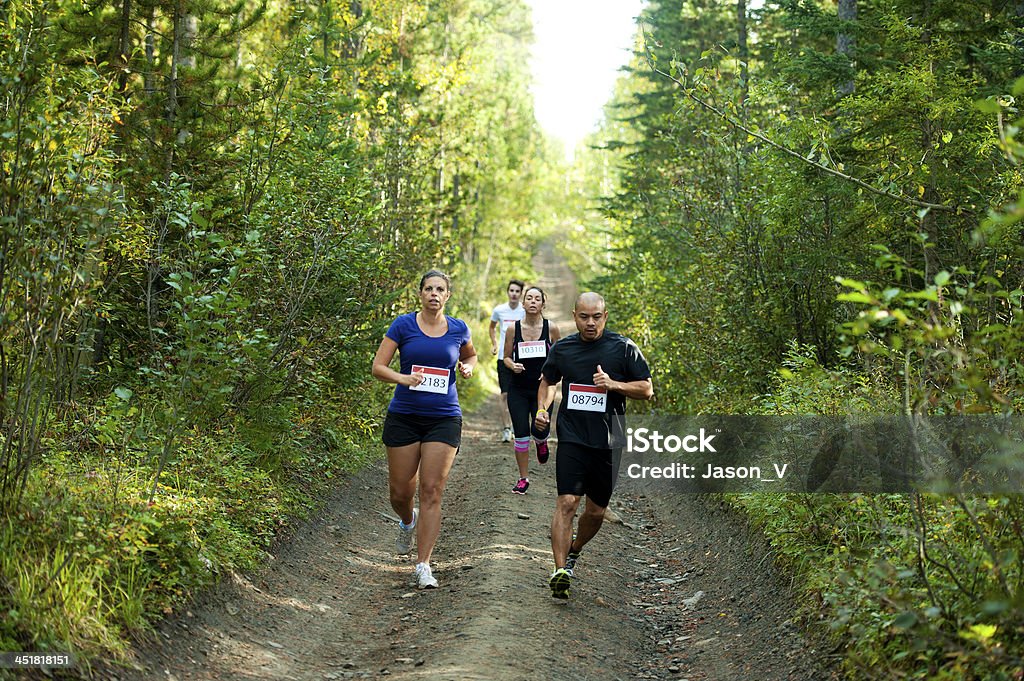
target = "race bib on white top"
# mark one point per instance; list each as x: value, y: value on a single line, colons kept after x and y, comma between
x: 532, y: 349
x: 435, y: 380
x: 583, y: 397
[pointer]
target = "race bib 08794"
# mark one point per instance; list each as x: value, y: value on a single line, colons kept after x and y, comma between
x: 585, y: 397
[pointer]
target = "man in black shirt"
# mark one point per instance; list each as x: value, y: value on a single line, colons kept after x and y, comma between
x: 598, y: 371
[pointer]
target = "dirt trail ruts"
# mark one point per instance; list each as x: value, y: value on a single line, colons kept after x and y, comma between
x: 337, y: 603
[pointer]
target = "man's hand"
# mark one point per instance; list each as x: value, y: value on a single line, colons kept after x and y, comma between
x: 603, y: 380
x: 542, y: 419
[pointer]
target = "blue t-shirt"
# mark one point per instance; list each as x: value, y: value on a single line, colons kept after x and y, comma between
x: 415, y: 347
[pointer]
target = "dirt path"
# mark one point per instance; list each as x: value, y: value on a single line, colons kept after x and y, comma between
x: 673, y: 590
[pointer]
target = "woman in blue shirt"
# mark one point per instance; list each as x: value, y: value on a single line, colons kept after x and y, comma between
x: 423, y: 427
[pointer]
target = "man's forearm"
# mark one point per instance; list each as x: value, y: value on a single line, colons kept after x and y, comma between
x: 544, y: 395
x: 636, y: 390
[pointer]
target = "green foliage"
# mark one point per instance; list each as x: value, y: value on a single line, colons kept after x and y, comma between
x: 88, y: 559
x: 802, y: 386
x: 922, y: 586
x: 803, y: 230
x: 209, y: 213
x: 718, y: 236
x: 58, y: 205
x: 955, y: 344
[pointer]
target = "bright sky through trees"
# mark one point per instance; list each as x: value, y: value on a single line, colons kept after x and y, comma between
x: 580, y: 45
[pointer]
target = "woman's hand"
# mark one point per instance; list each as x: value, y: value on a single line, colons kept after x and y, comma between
x: 465, y: 370
x: 411, y: 380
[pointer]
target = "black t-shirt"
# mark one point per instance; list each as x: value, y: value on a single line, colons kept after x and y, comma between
x: 572, y: 360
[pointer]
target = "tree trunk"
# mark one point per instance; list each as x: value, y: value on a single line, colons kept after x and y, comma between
x: 326, y: 26
x: 845, y: 42
x: 124, y: 47
x: 153, y: 273
x: 353, y: 42
x: 172, y: 81
x: 150, y: 51
x: 743, y: 49
x: 188, y: 40
x: 1019, y: 40
x: 455, y: 204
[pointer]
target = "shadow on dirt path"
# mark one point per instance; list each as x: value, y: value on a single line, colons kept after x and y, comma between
x: 672, y: 590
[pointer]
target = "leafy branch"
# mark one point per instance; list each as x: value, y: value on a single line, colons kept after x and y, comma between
x: 786, y: 150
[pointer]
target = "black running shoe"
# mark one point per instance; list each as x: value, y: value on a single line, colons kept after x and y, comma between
x: 559, y: 583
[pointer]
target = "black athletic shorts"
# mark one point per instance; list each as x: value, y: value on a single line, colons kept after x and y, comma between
x: 586, y: 471
x: 504, y: 376
x: 406, y: 429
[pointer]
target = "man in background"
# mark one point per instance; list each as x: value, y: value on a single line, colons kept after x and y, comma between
x: 503, y: 317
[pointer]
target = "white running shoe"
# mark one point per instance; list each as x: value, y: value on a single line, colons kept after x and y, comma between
x: 506, y: 434
x: 403, y: 544
x: 424, y: 578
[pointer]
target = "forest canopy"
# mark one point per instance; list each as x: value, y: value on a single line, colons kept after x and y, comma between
x: 210, y: 210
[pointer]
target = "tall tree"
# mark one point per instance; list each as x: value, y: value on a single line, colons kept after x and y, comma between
x: 845, y: 42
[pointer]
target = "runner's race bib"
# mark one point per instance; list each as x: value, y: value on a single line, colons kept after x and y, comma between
x: 532, y: 349
x: 585, y: 397
x: 435, y: 380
